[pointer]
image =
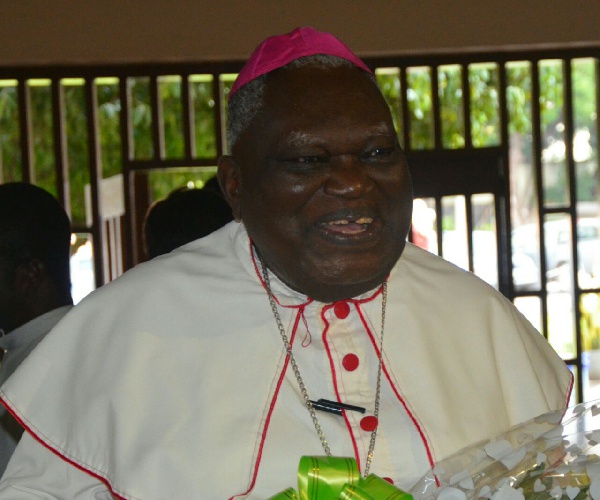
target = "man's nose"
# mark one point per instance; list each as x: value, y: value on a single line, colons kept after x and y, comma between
x: 348, y: 177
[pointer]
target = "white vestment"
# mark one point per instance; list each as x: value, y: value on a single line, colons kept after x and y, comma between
x: 17, y: 345
x: 173, y: 381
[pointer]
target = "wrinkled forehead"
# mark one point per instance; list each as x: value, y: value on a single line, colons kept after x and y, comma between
x: 307, y: 89
x: 335, y: 108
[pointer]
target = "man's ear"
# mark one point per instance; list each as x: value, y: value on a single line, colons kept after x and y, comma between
x: 29, y: 275
x: 230, y: 179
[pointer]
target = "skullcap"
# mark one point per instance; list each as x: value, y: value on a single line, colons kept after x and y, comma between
x: 277, y: 51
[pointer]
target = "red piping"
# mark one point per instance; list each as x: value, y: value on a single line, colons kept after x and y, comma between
x: 397, y: 393
x: 335, y: 386
x: 569, y: 394
x: 103, y: 480
x: 271, y: 409
x: 356, y: 302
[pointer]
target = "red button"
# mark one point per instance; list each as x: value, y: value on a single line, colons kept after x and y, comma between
x: 341, y: 309
x: 350, y: 362
x: 369, y: 424
x: 389, y: 480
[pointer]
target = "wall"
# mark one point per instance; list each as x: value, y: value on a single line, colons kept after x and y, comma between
x: 36, y: 32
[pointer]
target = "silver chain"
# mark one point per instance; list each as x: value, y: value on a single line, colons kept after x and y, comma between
x: 307, y: 402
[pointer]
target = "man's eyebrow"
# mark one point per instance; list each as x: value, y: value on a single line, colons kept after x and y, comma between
x: 299, y: 139
x: 382, y: 128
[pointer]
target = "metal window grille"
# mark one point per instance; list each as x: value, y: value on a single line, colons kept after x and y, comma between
x: 455, y: 155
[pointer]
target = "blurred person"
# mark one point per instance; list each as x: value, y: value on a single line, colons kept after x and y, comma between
x: 35, y: 235
x: 183, y: 216
x: 212, y: 184
x: 199, y: 374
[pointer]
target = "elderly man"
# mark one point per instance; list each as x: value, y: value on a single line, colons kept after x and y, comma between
x: 194, y: 375
x: 35, y: 236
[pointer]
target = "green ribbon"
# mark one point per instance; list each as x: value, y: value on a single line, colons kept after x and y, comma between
x: 338, y: 478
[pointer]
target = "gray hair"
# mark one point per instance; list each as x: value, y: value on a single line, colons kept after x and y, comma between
x: 247, y: 102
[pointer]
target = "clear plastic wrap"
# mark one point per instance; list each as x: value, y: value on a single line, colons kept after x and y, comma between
x: 550, y: 457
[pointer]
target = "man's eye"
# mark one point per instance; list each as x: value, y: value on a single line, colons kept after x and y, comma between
x: 304, y: 161
x: 300, y: 163
x: 308, y: 159
x: 379, y: 153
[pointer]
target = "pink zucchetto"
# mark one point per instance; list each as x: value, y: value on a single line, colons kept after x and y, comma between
x: 277, y: 51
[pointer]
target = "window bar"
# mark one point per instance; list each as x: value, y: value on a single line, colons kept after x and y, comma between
x: 189, y: 132
x: 537, y: 161
x: 127, y: 102
x: 569, y: 134
x: 576, y: 295
x: 597, y: 81
x: 438, y: 224
x: 503, y: 225
x: 130, y: 241
x: 405, y: 109
x: 469, y: 216
x: 97, y: 229
x: 466, y: 90
x: 112, y: 227
x: 435, y: 101
x: 61, y: 160
x: 219, y: 112
x: 158, y: 136
x: 597, y: 74
x: 25, y: 131
x: 503, y: 243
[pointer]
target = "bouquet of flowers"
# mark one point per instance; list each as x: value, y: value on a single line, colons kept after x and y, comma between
x: 552, y: 457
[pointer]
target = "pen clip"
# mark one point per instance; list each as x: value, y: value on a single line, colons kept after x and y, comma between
x: 335, y: 407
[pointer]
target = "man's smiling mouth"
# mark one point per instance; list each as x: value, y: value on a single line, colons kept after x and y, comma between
x: 349, y: 226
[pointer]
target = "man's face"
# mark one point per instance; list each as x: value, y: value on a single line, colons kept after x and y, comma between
x: 324, y: 190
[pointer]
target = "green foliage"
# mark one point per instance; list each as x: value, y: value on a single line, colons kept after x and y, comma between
x: 42, y: 140
x: 420, y: 108
x: 451, y: 107
x: 518, y: 98
x: 163, y: 182
x: 389, y: 83
x: 170, y: 95
x: 226, y: 83
x: 10, y: 152
x: 590, y: 321
x: 141, y: 118
x: 77, y: 148
x: 551, y: 95
x: 109, y: 114
x: 205, y: 134
x: 485, y: 117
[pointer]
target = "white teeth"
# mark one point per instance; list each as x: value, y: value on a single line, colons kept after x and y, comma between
x: 343, y: 222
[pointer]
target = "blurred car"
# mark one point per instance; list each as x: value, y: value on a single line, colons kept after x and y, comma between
x: 588, y: 245
x: 525, y: 273
x: 557, y: 238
